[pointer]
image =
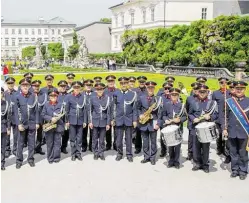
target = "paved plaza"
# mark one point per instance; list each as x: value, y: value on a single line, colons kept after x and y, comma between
x: 110, y: 181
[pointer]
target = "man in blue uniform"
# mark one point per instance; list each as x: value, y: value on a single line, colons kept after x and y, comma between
x: 236, y: 129
x: 9, y: 96
x: 77, y: 117
x: 132, y: 82
x: 5, y: 126
x: 97, y: 79
x: 190, y: 127
x: 28, y: 76
x: 173, y: 113
x: 125, y: 117
x: 27, y: 121
x: 149, y: 128
x: 42, y: 99
x: 49, y: 84
x: 88, y: 92
x: 109, y: 91
x: 70, y: 79
x: 140, y: 90
x: 219, y: 96
x: 169, y: 80
x: 62, y: 98
x: 202, y: 109
x: 99, y: 120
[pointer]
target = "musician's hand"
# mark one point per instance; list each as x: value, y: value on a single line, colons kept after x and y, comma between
x: 113, y: 122
x: 53, y: 120
x: 84, y: 125
x: 207, y: 117
x: 135, y: 124
x: 225, y: 133
x: 177, y: 120
x: 167, y: 122
x: 37, y: 126
x: 20, y: 127
x: 90, y: 125
x: 8, y: 131
x: 67, y: 125
x: 141, y: 117
x: 156, y: 127
x: 196, y: 120
x: 107, y: 127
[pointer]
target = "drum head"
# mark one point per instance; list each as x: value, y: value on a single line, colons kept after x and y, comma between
x: 205, y: 125
x: 169, y: 129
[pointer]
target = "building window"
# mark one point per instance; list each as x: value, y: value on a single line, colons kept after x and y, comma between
x: 13, y: 31
x: 6, y: 31
x: 45, y: 31
x: 7, y: 52
x: 13, y: 42
x: 116, y: 41
x: 52, y: 31
x: 45, y: 39
x: 33, y: 39
x: 59, y: 31
x: 19, y: 31
x: 39, y: 31
x: 122, y: 19
x: 26, y: 31
x: 132, y: 18
x: 33, y: 31
x: 144, y: 15
x: 116, y: 21
x: 26, y: 39
x: 52, y: 39
x: 14, y: 53
x: 6, y: 42
x: 20, y: 40
x: 152, y: 14
x: 204, y: 13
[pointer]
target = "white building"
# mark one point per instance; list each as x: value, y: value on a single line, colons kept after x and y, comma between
x: 148, y: 14
x: 16, y: 35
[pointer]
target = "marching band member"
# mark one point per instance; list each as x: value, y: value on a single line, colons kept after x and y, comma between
x: 203, y: 80
x: 219, y: 96
x: 110, y: 90
x: 125, y: 117
x: 9, y: 96
x: 99, y: 119
x: 52, y: 113
x: 27, y: 121
x: 140, y: 90
x: 28, y: 76
x: 173, y: 112
x: 197, y: 113
x: 231, y: 88
x: 88, y: 93
x: 191, y: 129
x: 5, y: 126
x: 238, y: 130
x: 97, y: 79
x: 77, y: 117
x: 42, y: 99
x: 70, y: 79
x: 170, y: 79
x: 165, y: 98
x: 132, y: 82
x: 49, y: 80
x: 62, y: 98
x: 151, y: 125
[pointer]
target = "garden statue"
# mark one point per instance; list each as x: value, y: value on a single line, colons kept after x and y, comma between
x: 82, y: 59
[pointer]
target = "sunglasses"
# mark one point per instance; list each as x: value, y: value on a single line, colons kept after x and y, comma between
x: 89, y: 85
x: 174, y: 94
x: 10, y: 83
x: 76, y: 87
x: 63, y: 86
x: 35, y: 85
x: 167, y: 88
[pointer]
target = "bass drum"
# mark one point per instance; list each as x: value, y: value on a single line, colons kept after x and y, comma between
x: 206, y: 132
x: 172, y: 135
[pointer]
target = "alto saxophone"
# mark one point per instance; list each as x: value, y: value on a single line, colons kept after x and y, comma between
x: 147, y: 114
x: 49, y: 126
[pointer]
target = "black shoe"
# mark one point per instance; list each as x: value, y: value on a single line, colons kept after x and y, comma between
x: 163, y: 154
x: 234, y: 174
x: 57, y: 161
x: 137, y: 151
x: 90, y: 149
x: 145, y: 161
x: 102, y: 158
x: 73, y: 158
x: 196, y: 168
x: 242, y: 177
x: 40, y: 152
x: 206, y: 170
x: 18, y: 166
x: 153, y: 162
x: 177, y: 166
x: 130, y: 159
x: 50, y: 162
x: 170, y: 165
x: 227, y: 160
x: 83, y: 150
x: 2, y: 168
x: 190, y: 157
x: 64, y: 151
x: 7, y: 154
x: 118, y: 158
x: 95, y: 157
x: 32, y: 164
x: 79, y: 158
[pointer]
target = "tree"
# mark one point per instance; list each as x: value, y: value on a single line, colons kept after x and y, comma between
x: 73, y: 49
x: 43, y: 51
x: 56, y: 51
x: 28, y: 52
x: 106, y: 20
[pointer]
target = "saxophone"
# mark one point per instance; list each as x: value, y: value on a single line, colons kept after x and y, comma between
x: 147, y: 114
x: 49, y: 126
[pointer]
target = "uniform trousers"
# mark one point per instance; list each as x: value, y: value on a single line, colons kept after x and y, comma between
x: 3, y: 147
x: 200, y: 153
x: 222, y: 145
x: 138, y: 140
x: 98, y: 140
x: 84, y: 139
x: 39, y: 138
x: 163, y: 146
x: 109, y: 138
x: 174, y: 155
x: 64, y: 140
x: 30, y: 134
x: 75, y: 135
x: 120, y: 130
x: 191, y: 134
x: 53, y: 141
x: 15, y: 135
x: 149, y: 144
x: 239, y: 155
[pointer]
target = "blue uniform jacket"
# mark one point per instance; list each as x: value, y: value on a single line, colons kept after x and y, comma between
x: 50, y: 111
x: 99, y: 113
x: 125, y: 108
x: 10, y: 97
x: 189, y: 101
x: 44, y: 90
x: 141, y: 91
x: 5, y: 116
x: 42, y: 99
x: 143, y: 105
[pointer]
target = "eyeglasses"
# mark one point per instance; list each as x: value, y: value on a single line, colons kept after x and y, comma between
x: 10, y: 83
x: 167, y: 88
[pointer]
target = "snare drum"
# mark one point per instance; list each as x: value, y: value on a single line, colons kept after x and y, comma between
x: 206, y: 132
x: 172, y: 135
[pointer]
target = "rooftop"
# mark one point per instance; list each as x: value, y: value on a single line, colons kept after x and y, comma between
x: 90, y: 24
